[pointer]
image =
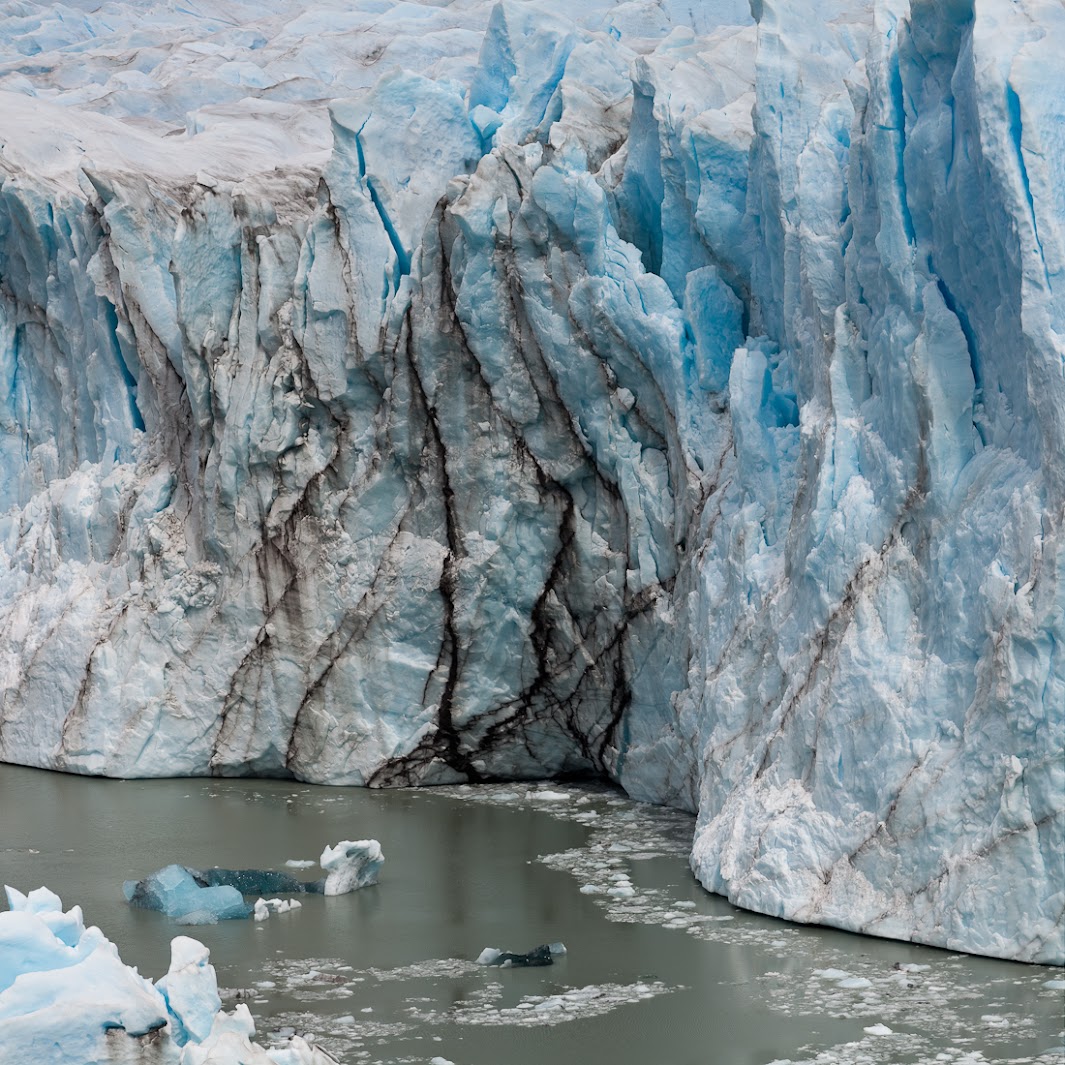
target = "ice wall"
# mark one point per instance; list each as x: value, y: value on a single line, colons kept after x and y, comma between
x: 675, y: 396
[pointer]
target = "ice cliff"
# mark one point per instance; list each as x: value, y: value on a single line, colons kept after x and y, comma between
x: 671, y: 394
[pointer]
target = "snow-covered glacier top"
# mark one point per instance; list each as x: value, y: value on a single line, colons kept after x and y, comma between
x: 422, y: 392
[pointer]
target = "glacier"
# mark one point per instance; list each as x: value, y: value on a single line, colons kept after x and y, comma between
x: 421, y: 392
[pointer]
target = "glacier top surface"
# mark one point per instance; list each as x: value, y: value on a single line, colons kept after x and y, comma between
x: 236, y: 88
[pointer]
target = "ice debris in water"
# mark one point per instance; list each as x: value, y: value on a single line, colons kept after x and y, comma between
x: 264, y: 907
x: 542, y: 955
x: 194, y: 896
x: 64, y: 987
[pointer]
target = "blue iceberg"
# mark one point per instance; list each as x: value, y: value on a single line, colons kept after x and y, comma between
x: 176, y: 892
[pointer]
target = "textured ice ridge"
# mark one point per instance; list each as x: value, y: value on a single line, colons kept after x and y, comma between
x: 676, y: 396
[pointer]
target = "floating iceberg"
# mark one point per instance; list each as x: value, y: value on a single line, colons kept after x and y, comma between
x: 542, y: 955
x: 194, y: 896
x: 446, y: 392
x: 350, y: 866
x: 67, y: 998
x: 179, y: 893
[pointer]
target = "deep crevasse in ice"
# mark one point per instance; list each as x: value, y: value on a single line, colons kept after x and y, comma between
x: 674, y: 395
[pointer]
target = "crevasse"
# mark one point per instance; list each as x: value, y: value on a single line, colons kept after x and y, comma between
x: 678, y: 397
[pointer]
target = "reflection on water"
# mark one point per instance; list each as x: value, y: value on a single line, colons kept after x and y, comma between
x: 663, y: 974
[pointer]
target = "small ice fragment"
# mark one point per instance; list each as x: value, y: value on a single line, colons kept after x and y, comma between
x: 550, y: 796
x: 488, y: 956
x: 855, y: 983
x: 589, y: 889
x: 300, y: 863
x: 622, y: 891
x: 558, y: 948
x: 1054, y: 985
x: 831, y: 974
x: 262, y: 910
x: 878, y: 1029
x: 440, y: 1061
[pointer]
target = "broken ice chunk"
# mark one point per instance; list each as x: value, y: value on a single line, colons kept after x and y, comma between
x: 542, y: 955
x: 264, y: 907
x: 349, y: 865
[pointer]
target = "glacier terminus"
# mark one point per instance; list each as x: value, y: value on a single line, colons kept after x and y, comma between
x: 417, y: 392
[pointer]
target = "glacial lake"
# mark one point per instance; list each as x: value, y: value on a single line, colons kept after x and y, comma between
x: 664, y: 975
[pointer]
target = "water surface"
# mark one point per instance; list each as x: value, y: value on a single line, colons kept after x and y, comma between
x: 668, y: 975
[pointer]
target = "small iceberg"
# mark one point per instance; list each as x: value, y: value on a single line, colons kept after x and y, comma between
x: 207, y: 896
x: 350, y: 865
x: 542, y: 955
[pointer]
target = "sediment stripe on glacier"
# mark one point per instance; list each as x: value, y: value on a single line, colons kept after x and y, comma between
x: 686, y: 408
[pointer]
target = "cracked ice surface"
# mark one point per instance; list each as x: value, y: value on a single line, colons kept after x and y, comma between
x: 401, y: 392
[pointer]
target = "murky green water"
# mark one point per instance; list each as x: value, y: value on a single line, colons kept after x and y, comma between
x: 666, y: 976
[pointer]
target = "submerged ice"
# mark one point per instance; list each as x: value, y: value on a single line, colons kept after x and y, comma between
x: 672, y: 393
